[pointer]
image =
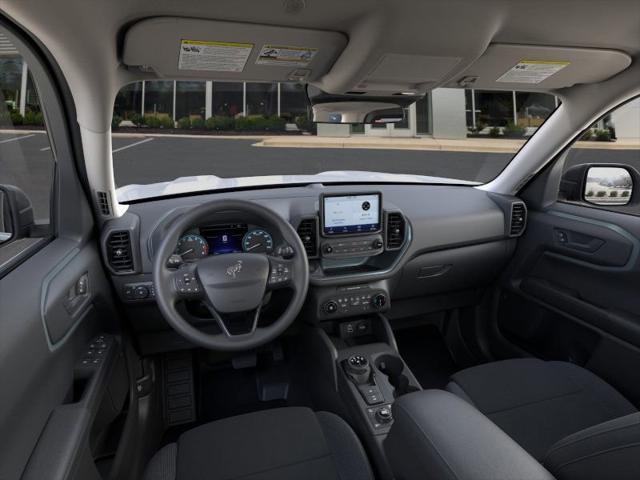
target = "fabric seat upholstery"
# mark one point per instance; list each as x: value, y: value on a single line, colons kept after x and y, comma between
x: 284, y: 443
x: 538, y: 403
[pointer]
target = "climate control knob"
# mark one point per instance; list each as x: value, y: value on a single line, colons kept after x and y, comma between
x: 379, y: 301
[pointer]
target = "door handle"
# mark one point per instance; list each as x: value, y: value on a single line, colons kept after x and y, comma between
x: 578, y: 241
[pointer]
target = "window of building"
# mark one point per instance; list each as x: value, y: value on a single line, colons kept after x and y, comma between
x: 190, y: 99
x: 423, y: 124
x: 533, y: 108
x: 494, y: 109
x: 227, y: 99
x: 128, y: 103
x: 262, y: 99
x: 293, y: 101
x: 158, y: 98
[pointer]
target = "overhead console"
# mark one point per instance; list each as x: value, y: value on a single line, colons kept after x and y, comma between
x: 189, y: 48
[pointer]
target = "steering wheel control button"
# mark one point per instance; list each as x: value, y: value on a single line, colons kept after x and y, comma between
x: 280, y: 274
x: 187, y: 284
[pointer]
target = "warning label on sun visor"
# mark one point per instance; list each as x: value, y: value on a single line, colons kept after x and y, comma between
x: 286, y: 55
x: 532, y: 71
x: 213, y: 56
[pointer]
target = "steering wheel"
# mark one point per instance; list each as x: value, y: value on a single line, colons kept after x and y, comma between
x: 231, y: 283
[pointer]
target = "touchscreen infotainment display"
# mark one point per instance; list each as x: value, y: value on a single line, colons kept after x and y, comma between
x: 351, y: 214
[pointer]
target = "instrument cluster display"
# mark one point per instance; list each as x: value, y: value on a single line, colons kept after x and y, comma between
x: 223, y: 239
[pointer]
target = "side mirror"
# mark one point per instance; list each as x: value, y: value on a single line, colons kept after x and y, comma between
x: 603, y: 185
x: 16, y: 213
x: 608, y: 186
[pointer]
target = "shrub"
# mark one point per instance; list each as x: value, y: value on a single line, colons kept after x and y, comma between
x: 601, y: 193
x: 197, y: 123
x: 276, y: 124
x: 5, y: 119
x: 29, y: 118
x: 587, y: 135
x: 39, y: 119
x: 613, y: 193
x: 589, y: 193
x: 115, y: 122
x: 220, y: 122
x: 243, y: 123
x: 494, y: 132
x: 514, y: 130
x: 136, y: 119
x: 603, y: 135
x: 304, y: 123
x: 16, y: 118
x: 151, y: 121
x: 625, y: 193
x: 167, y: 122
x: 184, y: 123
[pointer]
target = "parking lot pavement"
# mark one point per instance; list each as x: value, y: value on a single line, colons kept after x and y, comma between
x: 27, y: 161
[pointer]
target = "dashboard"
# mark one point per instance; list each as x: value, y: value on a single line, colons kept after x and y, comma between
x: 398, y: 248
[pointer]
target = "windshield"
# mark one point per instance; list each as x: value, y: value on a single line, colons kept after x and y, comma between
x: 177, y: 137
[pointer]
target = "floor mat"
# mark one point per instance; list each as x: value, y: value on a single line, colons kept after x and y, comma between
x: 426, y: 353
x: 225, y: 392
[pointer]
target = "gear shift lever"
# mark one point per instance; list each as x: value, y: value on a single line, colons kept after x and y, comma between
x: 358, y: 368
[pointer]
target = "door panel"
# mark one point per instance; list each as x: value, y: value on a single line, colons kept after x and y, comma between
x: 571, y: 291
x: 59, y: 393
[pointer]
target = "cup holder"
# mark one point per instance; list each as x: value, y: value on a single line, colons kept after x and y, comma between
x: 393, y: 367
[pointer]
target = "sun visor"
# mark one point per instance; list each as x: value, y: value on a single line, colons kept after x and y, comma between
x: 528, y: 67
x: 179, y: 48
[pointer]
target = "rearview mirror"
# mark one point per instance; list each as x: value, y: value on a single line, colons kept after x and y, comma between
x: 355, y: 108
x: 608, y: 186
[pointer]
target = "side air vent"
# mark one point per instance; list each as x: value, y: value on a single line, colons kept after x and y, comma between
x: 103, y: 203
x: 396, y: 227
x: 308, y: 233
x: 119, y: 253
x: 518, y: 219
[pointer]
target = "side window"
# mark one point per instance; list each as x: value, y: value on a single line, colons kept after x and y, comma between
x: 602, y: 168
x: 27, y: 163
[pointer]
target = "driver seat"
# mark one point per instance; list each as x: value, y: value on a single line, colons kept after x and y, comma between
x: 283, y: 444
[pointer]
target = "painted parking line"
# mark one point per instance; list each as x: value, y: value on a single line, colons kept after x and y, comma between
x: 14, y: 139
x: 134, y: 144
x: 45, y: 149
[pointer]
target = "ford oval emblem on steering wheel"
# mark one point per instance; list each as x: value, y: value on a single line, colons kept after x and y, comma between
x: 234, y: 270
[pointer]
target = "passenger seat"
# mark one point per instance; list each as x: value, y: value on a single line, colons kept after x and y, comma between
x: 557, y: 412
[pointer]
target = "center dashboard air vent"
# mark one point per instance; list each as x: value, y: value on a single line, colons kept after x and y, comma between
x: 518, y: 219
x: 395, y: 230
x: 118, y: 250
x: 308, y: 233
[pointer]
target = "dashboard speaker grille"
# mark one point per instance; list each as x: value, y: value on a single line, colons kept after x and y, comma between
x: 119, y: 251
x: 308, y: 233
x: 103, y: 203
x: 518, y: 218
x: 395, y: 230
